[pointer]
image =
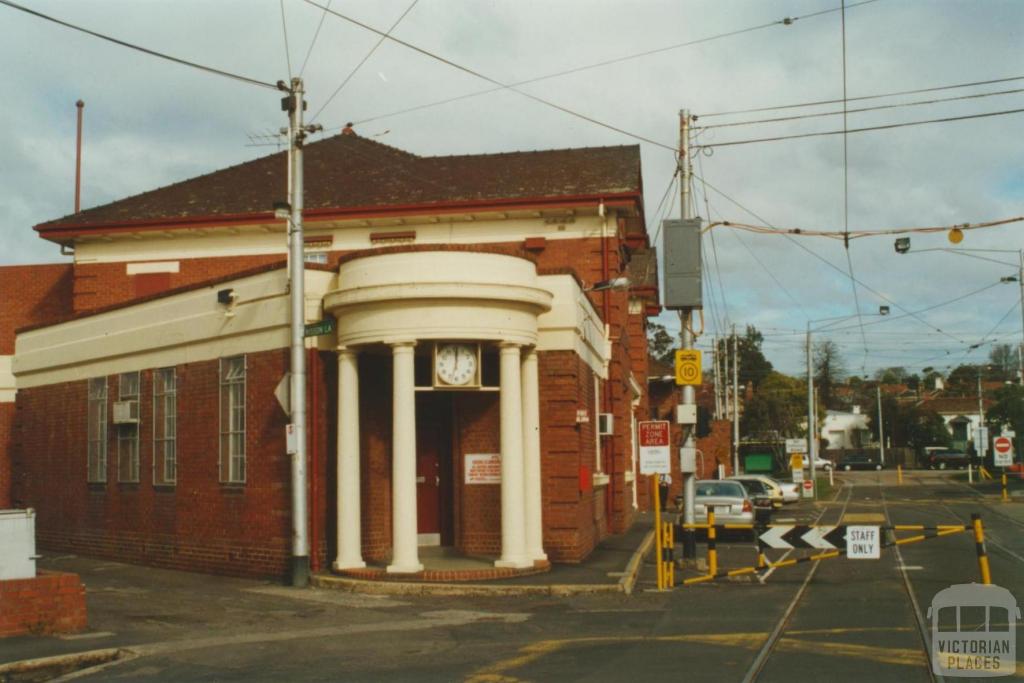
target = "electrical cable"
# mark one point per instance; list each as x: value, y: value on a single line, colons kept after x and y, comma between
x: 832, y: 265
x: 786, y: 21
x: 890, y: 126
x: 477, y: 74
x: 864, y: 97
x: 714, y: 247
x: 312, y: 43
x: 287, y: 50
x: 855, y: 234
x: 364, y: 59
x: 139, y: 48
x: 799, y: 117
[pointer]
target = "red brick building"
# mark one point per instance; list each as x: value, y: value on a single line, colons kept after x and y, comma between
x: 477, y: 392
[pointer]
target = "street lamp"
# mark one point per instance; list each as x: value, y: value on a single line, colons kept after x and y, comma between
x: 903, y: 246
x: 812, y: 419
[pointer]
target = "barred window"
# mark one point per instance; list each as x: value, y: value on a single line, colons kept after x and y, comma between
x: 128, y: 434
x: 232, y: 419
x: 97, y: 427
x: 165, y: 427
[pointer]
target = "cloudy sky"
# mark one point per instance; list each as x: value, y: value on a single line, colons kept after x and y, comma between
x: 149, y: 123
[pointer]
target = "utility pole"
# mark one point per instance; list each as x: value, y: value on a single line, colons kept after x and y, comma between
x: 881, y: 430
x: 294, y: 103
x: 735, y: 403
x: 1020, y: 347
x: 812, y: 444
x: 686, y: 334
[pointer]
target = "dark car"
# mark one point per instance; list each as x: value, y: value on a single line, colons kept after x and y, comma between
x: 760, y: 495
x: 943, y: 460
x: 860, y: 461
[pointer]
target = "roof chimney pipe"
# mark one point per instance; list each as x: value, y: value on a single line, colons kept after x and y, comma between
x: 80, y: 105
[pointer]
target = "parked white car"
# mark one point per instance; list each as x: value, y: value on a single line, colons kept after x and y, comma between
x: 729, y: 498
x: 820, y: 463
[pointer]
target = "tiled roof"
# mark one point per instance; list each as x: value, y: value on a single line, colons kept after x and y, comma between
x: 347, y: 171
x: 964, y: 405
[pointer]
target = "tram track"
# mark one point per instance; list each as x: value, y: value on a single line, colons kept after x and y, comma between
x: 768, y: 648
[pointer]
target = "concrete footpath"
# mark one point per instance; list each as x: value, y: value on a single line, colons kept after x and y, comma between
x: 137, y: 610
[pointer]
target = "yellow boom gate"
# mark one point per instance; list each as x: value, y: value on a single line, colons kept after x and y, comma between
x: 815, y: 536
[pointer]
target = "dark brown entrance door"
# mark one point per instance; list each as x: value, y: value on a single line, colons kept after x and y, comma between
x: 428, y: 484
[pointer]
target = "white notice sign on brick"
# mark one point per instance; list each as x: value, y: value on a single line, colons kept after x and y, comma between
x: 483, y: 468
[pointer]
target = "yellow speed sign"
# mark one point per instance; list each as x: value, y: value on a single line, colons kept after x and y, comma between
x: 688, y: 367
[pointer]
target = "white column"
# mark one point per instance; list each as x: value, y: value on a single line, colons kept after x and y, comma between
x: 350, y: 554
x: 513, y: 519
x: 531, y: 457
x: 405, y: 551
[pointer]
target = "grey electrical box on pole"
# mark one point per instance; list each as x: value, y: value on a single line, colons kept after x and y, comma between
x: 682, y: 263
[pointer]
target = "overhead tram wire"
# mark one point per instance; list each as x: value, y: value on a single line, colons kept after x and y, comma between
x: 312, y: 43
x: 139, y: 48
x: 363, y: 60
x: 477, y: 74
x: 985, y: 340
x: 857, y: 234
x: 832, y: 265
x: 287, y: 50
x: 862, y: 98
x: 846, y: 195
x: 714, y: 247
x: 786, y: 21
x: 798, y: 117
x: 889, y: 126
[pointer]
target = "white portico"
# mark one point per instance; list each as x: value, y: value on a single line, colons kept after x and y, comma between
x: 454, y: 300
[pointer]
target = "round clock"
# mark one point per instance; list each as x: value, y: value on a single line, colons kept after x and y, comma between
x: 455, y: 364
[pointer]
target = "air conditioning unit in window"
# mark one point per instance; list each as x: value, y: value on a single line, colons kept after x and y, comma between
x: 605, y: 424
x: 126, y: 412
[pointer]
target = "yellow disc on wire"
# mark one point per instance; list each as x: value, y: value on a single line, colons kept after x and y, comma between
x: 956, y: 235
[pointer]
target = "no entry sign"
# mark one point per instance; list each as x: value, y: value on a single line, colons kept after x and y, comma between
x: 654, y: 447
x: 1002, y: 449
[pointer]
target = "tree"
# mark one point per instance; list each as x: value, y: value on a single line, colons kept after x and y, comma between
x: 1003, y: 361
x: 776, y: 410
x: 894, y: 375
x: 660, y: 343
x: 828, y: 371
x: 1008, y: 408
x: 754, y: 367
x: 963, y: 381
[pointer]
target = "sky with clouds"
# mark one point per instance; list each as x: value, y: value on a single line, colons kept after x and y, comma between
x: 150, y: 123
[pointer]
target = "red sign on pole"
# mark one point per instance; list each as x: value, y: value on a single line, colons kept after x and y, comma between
x: 1002, y: 444
x: 655, y: 437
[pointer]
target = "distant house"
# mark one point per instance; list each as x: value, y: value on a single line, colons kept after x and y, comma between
x: 960, y: 413
x: 845, y: 429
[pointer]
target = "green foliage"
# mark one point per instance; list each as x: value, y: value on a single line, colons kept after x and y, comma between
x: 660, y: 343
x: 828, y: 372
x: 1008, y: 408
x: 754, y: 367
x: 776, y: 410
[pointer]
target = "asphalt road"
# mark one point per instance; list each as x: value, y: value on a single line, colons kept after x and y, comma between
x: 836, y: 620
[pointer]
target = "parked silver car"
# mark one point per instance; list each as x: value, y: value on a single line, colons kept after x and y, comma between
x: 730, y: 500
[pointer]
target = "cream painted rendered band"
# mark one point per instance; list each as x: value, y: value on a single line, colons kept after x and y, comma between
x: 6, y: 380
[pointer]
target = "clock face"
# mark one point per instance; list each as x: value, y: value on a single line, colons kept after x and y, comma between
x: 455, y: 364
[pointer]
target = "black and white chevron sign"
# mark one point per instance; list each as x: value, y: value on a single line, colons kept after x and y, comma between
x: 787, y: 536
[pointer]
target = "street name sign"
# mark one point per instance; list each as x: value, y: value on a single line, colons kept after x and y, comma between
x: 1002, y: 451
x: 688, y: 367
x: 796, y: 445
x: 319, y: 328
x: 655, y: 457
x: 863, y: 542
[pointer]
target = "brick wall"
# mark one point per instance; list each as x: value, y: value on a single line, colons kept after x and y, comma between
x: 104, y: 284
x: 53, y: 602
x: 197, y: 524
x: 32, y: 295
x: 6, y: 425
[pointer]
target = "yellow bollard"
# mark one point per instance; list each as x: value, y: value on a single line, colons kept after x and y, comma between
x: 899, y: 474
x: 979, y: 544
x: 712, y: 535
x: 656, y: 500
x: 1006, y: 496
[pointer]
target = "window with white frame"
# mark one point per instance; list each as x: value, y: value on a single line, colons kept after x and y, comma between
x: 165, y: 427
x: 232, y: 420
x: 97, y: 427
x: 315, y: 257
x: 128, y: 433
